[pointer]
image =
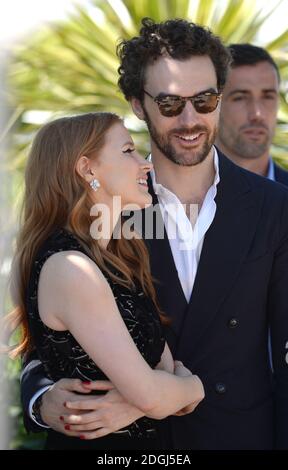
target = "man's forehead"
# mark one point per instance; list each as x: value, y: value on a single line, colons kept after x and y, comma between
x: 181, y: 76
x: 260, y: 76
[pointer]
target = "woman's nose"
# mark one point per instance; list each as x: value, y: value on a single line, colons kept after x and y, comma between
x: 145, y: 164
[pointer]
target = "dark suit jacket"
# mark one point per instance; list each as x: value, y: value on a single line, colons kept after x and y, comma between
x: 241, y: 289
x: 281, y: 176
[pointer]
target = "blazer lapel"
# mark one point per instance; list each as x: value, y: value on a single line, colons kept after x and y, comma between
x: 225, y: 246
x: 168, y: 287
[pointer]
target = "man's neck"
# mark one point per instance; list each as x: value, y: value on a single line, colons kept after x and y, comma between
x: 189, y: 184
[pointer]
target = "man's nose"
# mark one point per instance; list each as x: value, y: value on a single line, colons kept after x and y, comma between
x: 189, y: 115
x: 256, y: 111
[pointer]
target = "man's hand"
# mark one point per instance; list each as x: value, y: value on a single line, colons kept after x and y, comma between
x: 52, y: 409
x: 87, y: 416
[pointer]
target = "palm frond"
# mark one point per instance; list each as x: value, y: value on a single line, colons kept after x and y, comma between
x: 71, y: 67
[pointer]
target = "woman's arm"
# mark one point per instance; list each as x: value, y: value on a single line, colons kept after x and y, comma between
x: 175, y: 367
x: 74, y: 295
x: 166, y: 363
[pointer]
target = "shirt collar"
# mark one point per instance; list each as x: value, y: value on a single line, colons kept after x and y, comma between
x: 271, y: 170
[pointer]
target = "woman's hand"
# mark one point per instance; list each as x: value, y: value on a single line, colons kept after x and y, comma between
x: 93, y: 416
x: 90, y: 416
x: 181, y: 371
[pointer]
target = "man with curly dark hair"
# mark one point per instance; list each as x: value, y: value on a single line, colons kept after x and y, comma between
x: 161, y: 57
x: 176, y: 39
x: 222, y: 280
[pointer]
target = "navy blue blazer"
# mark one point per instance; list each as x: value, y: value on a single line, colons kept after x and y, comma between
x: 281, y: 175
x: 240, y: 290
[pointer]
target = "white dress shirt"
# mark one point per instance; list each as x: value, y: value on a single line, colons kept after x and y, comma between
x: 270, y: 176
x: 271, y: 170
x: 185, y: 240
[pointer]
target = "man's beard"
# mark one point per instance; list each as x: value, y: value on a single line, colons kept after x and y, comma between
x: 185, y: 158
x: 241, y: 147
x: 250, y: 150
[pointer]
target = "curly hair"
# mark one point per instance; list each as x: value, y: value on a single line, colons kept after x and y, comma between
x: 179, y: 39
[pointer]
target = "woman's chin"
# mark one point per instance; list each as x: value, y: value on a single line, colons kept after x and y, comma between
x: 147, y: 201
x: 138, y: 204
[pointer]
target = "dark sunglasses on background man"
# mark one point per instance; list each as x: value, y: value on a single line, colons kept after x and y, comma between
x: 172, y: 105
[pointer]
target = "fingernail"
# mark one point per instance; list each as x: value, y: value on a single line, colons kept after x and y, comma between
x: 61, y: 418
x: 82, y: 437
x: 86, y: 382
x: 67, y: 427
x: 65, y: 403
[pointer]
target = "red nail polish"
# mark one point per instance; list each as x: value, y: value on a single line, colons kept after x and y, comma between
x: 82, y: 437
x: 67, y: 427
x: 86, y: 382
x: 61, y: 418
x: 64, y: 404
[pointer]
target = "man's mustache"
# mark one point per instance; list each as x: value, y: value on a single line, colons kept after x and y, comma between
x: 254, y: 126
x: 188, y: 131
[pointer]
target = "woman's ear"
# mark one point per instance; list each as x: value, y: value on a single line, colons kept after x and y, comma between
x: 137, y: 108
x: 83, y: 168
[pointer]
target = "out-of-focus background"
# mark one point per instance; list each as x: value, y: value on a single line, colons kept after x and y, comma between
x: 57, y: 58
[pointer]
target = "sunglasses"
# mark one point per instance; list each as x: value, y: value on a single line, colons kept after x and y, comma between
x: 172, y: 105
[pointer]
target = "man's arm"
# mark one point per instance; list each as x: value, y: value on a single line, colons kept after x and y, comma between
x: 278, y: 316
x: 34, y: 384
x: 33, y: 380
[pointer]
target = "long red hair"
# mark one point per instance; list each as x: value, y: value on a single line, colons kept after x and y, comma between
x: 57, y: 196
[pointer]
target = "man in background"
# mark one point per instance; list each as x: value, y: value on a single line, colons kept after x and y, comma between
x: 249, y: 111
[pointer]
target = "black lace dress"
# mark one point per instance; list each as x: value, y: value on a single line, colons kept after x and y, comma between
x: 63, y: 357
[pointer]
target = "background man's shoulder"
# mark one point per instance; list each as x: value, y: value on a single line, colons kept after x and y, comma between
x: 281, y: 175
